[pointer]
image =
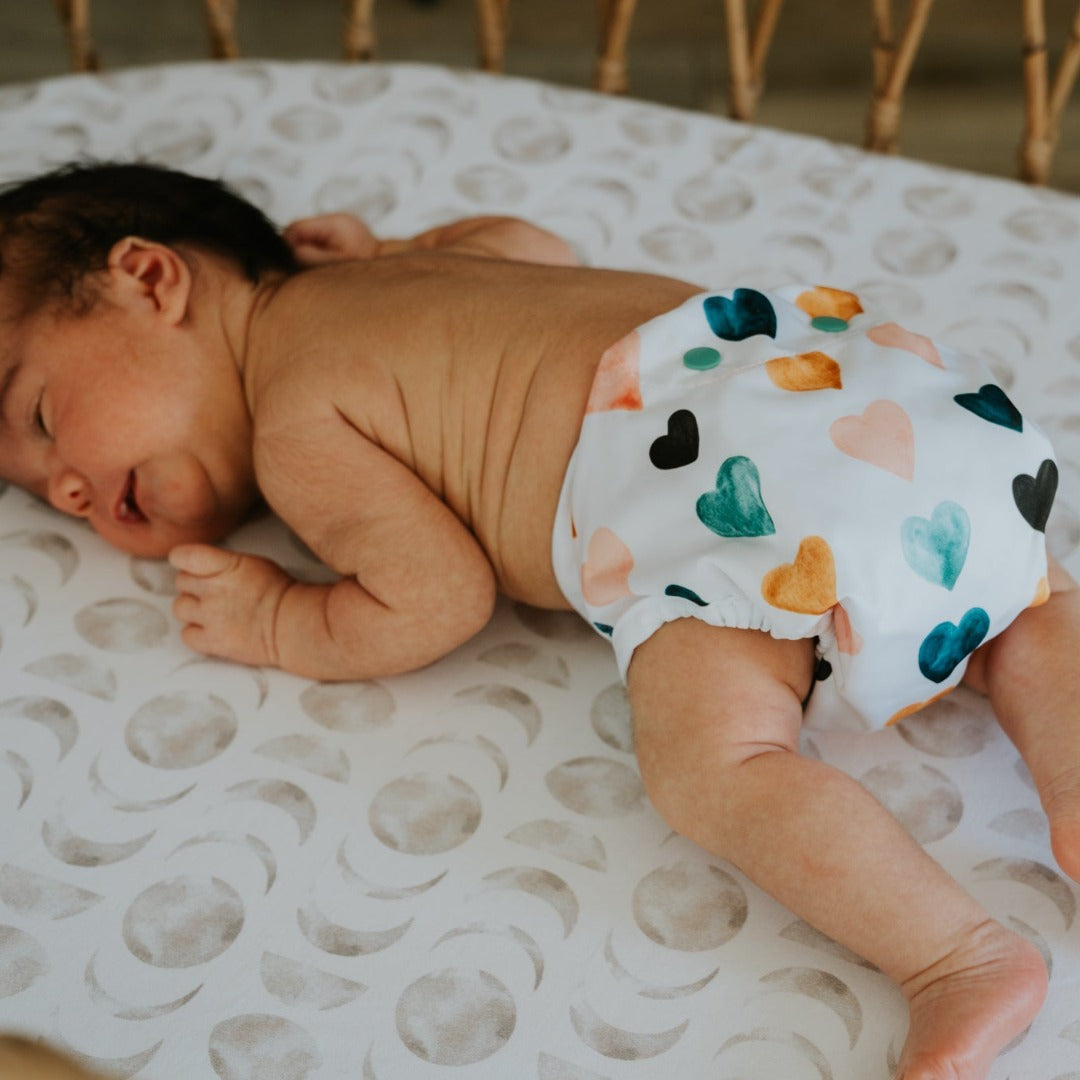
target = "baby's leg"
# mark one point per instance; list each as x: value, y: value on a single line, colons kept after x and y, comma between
x: 1032, y: 673
x: 717, y: 715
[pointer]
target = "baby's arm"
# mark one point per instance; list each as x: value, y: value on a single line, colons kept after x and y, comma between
x: 416, y: 582
x: 334, y: 237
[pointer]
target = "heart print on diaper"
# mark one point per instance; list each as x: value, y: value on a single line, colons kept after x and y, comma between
x: 605, y: 575
x: 735, y: 508
x: 992, y: 403
x: 947, y: 644
x: 882, y: 436
x: 679, y: 446
x: 805, y: 371
x: 806, y: 586
x: 893, y: 336
x: 936, y: 548
x: 747, y: 314
x: 1034, y: 495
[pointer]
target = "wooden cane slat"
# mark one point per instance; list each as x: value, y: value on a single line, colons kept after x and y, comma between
x: 221, y: 26
x: 75, y: 17
x: 1044, y: 103
x: 748, y: 43
x: 892, y: 64
x: 748, y: 49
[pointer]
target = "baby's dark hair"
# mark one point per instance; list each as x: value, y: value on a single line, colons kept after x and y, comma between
x: 59, y: 227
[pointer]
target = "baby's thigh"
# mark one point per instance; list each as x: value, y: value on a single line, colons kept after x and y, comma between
x: 1027, y: 648
x: 704, y: 697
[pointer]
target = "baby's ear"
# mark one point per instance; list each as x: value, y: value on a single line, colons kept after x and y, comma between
x: 145, y: 272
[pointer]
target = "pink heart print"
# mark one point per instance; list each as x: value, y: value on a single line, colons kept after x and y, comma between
x: 882, y: 436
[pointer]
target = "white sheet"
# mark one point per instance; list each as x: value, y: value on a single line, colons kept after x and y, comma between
x: 210, y: 871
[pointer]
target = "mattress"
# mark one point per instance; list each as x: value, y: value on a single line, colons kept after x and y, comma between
x: 208, y: 870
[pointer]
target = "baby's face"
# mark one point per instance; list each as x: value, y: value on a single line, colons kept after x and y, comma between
x: 110, y: 417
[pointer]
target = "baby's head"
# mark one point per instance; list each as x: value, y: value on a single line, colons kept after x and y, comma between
x: 121, y: 391
x: 57, y: 229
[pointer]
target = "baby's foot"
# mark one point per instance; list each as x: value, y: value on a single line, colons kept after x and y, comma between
x: 967, y: 1007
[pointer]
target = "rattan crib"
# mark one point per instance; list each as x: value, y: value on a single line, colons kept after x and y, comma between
x: 749, y: 36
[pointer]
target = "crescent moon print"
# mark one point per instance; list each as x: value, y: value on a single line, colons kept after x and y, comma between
x: 46, y: 897
x: 132, y: 806
x: 222, y: 672
x: 820, y: 986
x: 308, y: 753
x: 652, y: 990
x: 25, y: 594
x: 244, y: 842
x: 486, y: 747
x: 330, y: 937
x: 75, y: 850
x: 763, y: 1039
x: 382, y: 892
x: 23, y: 774
x: 510, y: 933
x: 127, y: 1010
x: 564, y: 840
x: 1033, y: 875
x: 284, y: 796
x: 52, y: 545
x: 530, y: 661
x: 542, y: 884
x: 52, y: 715
x: 297, y: 984
x: 509, y: 699
x: 77, y: 672
x: 615, y: 1042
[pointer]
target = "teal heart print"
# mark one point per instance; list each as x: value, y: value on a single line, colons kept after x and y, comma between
x: 747, y: 314
x: 991, y: 403
x: 937, y: 548
x: 947, y: 644
x: 736, y: 508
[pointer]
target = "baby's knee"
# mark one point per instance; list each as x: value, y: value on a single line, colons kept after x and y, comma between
x: 712, y: 799
x: 659, y: 767
x: 705, y: 701
x: 673, y: 793
x: 693, y: 774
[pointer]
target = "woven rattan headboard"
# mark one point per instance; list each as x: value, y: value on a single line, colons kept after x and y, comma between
x: 748, y: 44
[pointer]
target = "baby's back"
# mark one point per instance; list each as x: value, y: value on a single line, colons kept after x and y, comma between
x: 473, y: 372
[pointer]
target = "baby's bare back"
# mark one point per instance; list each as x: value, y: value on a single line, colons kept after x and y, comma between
x: 474, y: 373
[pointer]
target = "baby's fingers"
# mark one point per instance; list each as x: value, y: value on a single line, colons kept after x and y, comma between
x: 313, y: 255
x: 329, y: 238
x: 187, y: 609
x: 202, y: 560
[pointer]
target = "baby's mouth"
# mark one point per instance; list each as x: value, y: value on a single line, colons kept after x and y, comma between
x: 127, y: 509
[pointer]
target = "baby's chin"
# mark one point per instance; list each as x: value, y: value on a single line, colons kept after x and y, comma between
x: 149, y: 542
x: 177, y: 498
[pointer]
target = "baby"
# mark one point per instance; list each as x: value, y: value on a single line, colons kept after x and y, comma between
x: 749, y: 494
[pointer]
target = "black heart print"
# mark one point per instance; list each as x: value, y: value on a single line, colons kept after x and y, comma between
x: 1034, y: 495
x: 680, y: 445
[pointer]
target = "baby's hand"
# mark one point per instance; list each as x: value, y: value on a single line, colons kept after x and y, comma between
x: 228, y: 602
x: 330, y: 238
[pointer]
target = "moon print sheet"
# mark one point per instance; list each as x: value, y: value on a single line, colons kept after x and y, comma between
x: 209, y: 871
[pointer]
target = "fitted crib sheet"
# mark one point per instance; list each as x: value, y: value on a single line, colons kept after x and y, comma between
x: 210, y: 871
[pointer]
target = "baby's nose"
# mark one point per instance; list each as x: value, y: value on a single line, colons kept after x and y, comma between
x: 70, y: 492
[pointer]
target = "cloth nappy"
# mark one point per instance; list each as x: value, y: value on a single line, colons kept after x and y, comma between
x: 787, y: 463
